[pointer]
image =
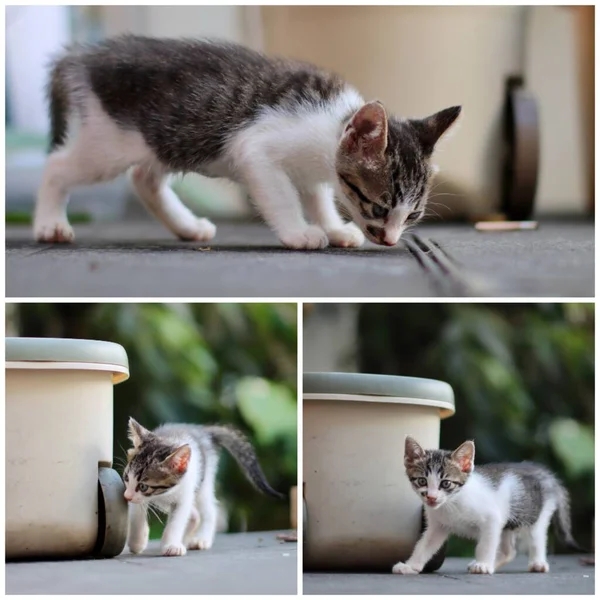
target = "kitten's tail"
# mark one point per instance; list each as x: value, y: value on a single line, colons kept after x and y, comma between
x: 562, y: 518
x: 236, y: 443
x: 58, y: 99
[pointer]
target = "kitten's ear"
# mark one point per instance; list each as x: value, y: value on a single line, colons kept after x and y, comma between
x: 179, y: 460
x: 464, y: 456
x: 412, y: 451
x: 366, y: 133
x: 432, y: 128
x: 137, y: 433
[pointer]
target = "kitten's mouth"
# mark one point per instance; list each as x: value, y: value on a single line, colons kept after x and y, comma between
x: 432, y: 503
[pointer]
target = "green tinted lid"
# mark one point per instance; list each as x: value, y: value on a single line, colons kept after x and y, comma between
x: 382, y: 388
x: 65, y: 350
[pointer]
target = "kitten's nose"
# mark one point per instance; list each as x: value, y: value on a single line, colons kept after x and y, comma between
x: 128, y: 495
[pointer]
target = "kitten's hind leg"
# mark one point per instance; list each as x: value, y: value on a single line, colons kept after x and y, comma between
x: 507, y: 550
x: 207, y: 508
x: 138, y: 530
x: 192, y: 527
x: 152, y: 187
x: 538, y: 539
x: 320, y: 205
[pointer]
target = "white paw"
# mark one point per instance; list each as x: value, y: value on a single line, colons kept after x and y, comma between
x: 479, y: 568
x: 311, y: 237
x: 539, y: 566
x: 200, y: 544
x: 348, y: 236
x: 173, y: 550
x: 53, y: 231
x: 202, y: 231
x: 137, y: 546
x: 403, y: 569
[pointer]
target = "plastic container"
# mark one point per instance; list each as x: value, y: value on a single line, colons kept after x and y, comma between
x: 360, y: 510
x: 63, y: 499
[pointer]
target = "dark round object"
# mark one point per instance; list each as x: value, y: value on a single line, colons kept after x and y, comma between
x: 522, y: 148
x: 112, y: 514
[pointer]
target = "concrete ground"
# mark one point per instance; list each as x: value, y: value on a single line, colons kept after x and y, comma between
x: 138, y: 259
x: 248, y: 563
x: 567, y: 576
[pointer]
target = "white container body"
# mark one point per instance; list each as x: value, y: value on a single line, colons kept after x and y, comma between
x: 361, y: 509
x: 59, y: 429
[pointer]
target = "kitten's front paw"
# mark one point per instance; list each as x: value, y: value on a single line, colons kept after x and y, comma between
x: 58, y: 231
x: 348, y: 236
x: 137, y: 547
x: 200, y: 544
x: 173, y: 550
x: 202, y: 231
x: 540, y: 566
x: 479, y: 568
x: 403, y: 569
x: 311, y: 237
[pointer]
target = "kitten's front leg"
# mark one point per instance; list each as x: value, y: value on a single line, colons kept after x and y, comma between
x: 279, y: 203
x: 138, y: 531
x: 431, y: 541
x: 320, y: 205
x: 486, y: 549
x: 172, y: 539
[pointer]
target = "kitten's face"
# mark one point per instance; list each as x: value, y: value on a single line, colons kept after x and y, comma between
x: 153, y: 467
x: 383, y: 167
x: 437, y: 475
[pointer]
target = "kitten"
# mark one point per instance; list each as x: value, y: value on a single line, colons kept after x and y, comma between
x: 295, y: 136
x: 173, y: 469
x: 491, y: 504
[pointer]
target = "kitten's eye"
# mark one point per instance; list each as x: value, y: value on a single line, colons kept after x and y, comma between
x: 125, y: 477
x: 413, y: 216
x: 378, y: 211
x: 142, y: 487
x: 421, y: 481
x: 445, y: 484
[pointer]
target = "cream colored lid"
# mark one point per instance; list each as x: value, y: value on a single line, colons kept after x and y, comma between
x: 64, y: 353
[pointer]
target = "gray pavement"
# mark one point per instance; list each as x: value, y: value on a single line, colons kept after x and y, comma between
x: 140, y: 259
x: 247, y: 563
x: 567, y: 576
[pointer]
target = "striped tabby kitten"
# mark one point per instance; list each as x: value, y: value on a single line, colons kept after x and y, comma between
x: 491, y: 504
x: 295, y: 136
x: 174, y: 468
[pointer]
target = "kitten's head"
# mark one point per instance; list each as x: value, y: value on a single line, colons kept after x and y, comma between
x: 153, y: 466
x: 383, y: 166
x: 436, y: 475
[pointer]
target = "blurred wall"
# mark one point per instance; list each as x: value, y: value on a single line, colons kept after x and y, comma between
x: 420, y: 59
x: 330, y: 337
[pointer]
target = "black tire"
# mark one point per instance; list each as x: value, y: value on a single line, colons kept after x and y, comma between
x: 112, y: 514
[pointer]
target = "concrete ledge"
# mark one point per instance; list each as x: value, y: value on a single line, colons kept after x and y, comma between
x: 567, y: 576
x: 244, y: 563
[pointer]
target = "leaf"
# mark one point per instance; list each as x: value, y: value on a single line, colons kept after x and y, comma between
x: 573, y: 443
x: 268, y: 407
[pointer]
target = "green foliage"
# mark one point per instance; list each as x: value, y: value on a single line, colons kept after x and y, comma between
x: 523, y: 378
x: 201, y: 363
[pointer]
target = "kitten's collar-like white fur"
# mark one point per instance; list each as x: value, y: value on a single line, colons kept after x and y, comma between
x: 476, y: 502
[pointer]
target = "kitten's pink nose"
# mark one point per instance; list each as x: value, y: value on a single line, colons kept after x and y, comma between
x: 128, y: 495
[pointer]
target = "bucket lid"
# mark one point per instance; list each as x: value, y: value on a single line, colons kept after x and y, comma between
x: 67, y: 353
x: 379, y: 388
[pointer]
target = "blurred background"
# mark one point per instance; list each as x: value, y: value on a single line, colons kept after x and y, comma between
x: 466, y: 55
x: 522, y: 374
x: 198, y: 363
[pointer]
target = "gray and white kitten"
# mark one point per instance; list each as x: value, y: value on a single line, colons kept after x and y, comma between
x: 295, y: 136
x: 492, y: 504
x: 173, y: 469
